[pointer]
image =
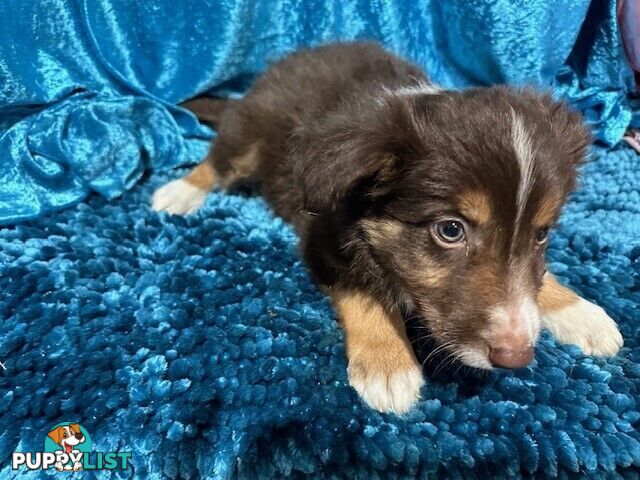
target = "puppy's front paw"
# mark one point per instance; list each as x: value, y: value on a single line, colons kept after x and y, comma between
x: 586, y: 325
x: 385, y: 387
x: 178, y: 197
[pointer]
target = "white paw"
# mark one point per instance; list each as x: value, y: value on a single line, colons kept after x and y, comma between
x: 396, y: 392
x: 77, y: 466
x: 178, y: 197
x: 587, y: 326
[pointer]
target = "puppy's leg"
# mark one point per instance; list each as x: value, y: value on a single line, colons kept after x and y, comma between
x: 187, y: 194
x: 572, y: 319
x: 382, y: 365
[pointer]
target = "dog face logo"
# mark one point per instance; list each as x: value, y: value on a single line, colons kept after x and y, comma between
x: 69, y: 438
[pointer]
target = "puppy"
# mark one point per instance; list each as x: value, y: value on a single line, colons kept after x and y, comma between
x: 409, y: 199
x: 67, y: 436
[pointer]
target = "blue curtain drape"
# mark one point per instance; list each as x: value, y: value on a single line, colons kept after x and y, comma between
x: 88, y: 87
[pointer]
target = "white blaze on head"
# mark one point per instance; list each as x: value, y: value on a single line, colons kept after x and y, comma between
x: 521, y: 309
x: 521, y: 140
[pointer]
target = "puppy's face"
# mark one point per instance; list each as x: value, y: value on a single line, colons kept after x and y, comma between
x: 464, y: 202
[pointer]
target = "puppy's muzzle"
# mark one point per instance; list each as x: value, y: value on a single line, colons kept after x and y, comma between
x: 511, y: 357
x: 513, y: 335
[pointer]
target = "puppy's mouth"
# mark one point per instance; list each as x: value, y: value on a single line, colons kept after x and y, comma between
x: 440, y: 350
x: 509, y: 347
x: 484, y: 357
x: 476, y: 357
x: 442, y: 355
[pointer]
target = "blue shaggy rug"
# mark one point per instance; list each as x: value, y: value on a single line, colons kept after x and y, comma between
x: 200, y: 345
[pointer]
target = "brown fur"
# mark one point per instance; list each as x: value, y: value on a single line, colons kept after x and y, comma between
x: 381, y: 231
x: 365, y: 172
x: 56, y: 435
x: 383, y: 234
x: 244, y: 166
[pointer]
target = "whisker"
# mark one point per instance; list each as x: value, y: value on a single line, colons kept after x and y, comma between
x: 443, y: 363
x: 438, y: 349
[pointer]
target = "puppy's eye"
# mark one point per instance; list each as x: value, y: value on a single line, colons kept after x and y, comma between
x: 542, y: 234
x: 448, y: 233
x: 65, y: 434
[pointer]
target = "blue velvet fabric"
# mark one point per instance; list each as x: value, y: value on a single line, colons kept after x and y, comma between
x: 202, y: 346
x: 87, y: 87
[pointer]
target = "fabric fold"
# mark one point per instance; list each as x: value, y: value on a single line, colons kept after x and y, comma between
x: 88, y: 88
x: 90, y: 143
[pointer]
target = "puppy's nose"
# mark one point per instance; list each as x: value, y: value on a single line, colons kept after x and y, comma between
x: 79, y: 436
x: 511, y: 357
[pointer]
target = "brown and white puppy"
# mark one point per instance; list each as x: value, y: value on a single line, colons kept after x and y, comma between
x: 67, y: 436
x: 409, y: 199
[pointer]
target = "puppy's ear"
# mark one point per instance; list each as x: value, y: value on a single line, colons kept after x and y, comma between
x: 75, y: 427
x: 357, y: 150
x: 56, y: 435
x: 569, y: 130
x: 326, y: 183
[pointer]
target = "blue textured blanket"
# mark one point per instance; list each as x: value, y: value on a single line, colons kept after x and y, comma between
x: 200, y: 344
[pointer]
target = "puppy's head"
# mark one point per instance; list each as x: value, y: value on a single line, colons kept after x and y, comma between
x: 460, y: 190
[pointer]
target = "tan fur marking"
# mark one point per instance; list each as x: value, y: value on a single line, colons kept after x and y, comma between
x: 382, y: 233
x: 375, y: 338
x: 379, y: 231
x: 203, y: 176
x: 386, y: 173
x: 486, y: 283
x: 547, y: 211
x: 434, y: 276
x: 554, y: 296
x: 382, y: 366
x: 475, y: 205
x: 243, y: 166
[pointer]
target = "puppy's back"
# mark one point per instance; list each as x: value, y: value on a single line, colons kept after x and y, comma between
x: 294, y: 92
x: 308, y: 83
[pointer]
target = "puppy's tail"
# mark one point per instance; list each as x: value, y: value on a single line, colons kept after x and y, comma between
x: 209, y: 110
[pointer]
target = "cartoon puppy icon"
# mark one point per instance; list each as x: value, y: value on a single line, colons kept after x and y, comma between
x: 68, y: 436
